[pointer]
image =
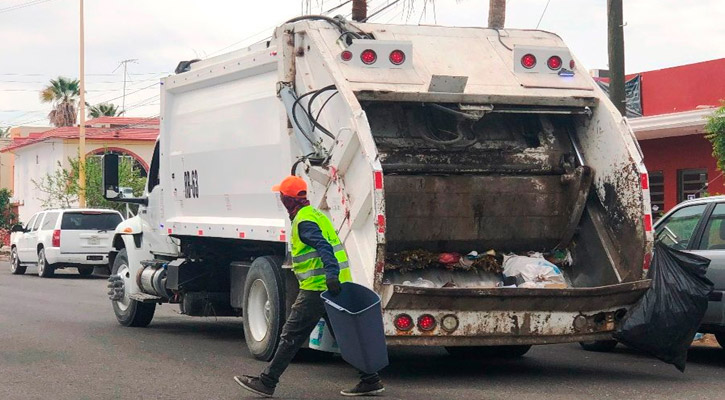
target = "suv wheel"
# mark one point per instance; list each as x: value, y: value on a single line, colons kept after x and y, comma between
x: 15, y: 267
x: 45, y: 270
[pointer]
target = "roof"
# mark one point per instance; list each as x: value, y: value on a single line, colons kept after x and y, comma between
x: 104, y: 128
x: 669, y: 125
x: 112, y: 122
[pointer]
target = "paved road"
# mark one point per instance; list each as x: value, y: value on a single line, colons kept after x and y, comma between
x: 60, y: 340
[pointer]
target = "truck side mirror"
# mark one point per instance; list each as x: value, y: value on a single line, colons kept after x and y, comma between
x: 110, y: 177
x: 17, y: 228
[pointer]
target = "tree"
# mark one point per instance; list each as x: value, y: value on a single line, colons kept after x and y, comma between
x: 63, y: 93
x: 103, y: 110
x: 496, y: 13
x: 7, y: 216
x: 56, y: 189
x: 715, y: 133
x: 5, y: 132
x: 60, y: 188
x: 359, y: 10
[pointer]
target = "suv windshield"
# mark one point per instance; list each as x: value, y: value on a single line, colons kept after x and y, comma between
x: 89, y: 220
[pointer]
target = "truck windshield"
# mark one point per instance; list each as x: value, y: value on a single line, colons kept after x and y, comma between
x: 86, y: 220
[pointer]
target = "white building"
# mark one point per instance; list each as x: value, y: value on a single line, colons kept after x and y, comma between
x: 42, y: 153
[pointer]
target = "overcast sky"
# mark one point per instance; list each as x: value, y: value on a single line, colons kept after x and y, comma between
x: 39, y: 38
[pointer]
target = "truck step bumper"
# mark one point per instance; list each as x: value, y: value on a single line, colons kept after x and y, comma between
x: 508, y: 316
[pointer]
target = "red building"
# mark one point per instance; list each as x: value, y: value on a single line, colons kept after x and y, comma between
x: 675, y: 104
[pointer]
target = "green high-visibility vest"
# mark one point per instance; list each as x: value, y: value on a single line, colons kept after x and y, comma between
x: 306, y: 262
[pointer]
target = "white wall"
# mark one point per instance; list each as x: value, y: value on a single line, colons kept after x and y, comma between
x: 33, y: 163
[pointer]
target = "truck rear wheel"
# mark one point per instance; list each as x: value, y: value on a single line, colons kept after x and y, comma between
x: 263, y: 307
x: 129, y: 312
x: 601, y: 346
x: 488, y: 351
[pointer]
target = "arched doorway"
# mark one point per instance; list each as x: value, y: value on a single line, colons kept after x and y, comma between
x: 138, y: 162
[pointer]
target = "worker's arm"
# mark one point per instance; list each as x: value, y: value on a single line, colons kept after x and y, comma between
x: 311, y: 235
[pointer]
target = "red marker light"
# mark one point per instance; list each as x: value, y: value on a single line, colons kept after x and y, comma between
x: 572, y: 65
x: 403, y: 322
x: 528, y: 61
x: 554, y: 62
x: 346, y: 55
x: 397, y: 57
x: 426, y: 322
x: 368, y: 57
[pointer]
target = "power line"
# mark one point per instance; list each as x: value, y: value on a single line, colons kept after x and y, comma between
x: 104, y: 74
x: 380, y: 10
x: 542, y: 13
x: 22, y: 5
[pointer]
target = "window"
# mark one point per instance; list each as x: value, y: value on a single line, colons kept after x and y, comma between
x: 677, y: 230
x: 49, y: 221
x: 154, y: 169
x: 90, y: 220
x: 36, y: 225
x: 714, y: 236
x: 657, y: 193
x: 691, y: 183
x: 30, y: 224
x: 122, y: 158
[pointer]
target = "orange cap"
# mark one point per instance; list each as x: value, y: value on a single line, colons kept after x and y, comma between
x: 292, y: 186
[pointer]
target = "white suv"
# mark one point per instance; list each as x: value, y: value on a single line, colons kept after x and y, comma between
x: 64, y: 238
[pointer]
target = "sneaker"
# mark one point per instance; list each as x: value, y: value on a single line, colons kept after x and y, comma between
x: 254, y: 385
x: 364, y: 389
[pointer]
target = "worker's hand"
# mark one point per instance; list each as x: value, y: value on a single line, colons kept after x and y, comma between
x: 333, y: 286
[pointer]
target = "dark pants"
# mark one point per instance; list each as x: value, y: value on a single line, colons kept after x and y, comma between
x: 306, y: 312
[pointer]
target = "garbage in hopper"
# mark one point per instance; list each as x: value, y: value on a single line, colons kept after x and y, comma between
x: 533, y: 271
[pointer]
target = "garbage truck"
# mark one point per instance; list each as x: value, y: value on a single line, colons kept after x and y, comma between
x: 431, y: 139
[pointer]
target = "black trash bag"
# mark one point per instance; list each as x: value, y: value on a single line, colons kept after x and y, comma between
x: 665, y: 320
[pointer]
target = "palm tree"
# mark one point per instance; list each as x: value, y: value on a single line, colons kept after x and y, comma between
x: 103, y: 110
x: 62, y: 93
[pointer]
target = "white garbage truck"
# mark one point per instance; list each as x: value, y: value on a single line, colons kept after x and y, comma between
x: 412, y: 139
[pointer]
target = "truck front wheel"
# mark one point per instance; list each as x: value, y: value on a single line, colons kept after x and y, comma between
x: 129, y: 312
x: 488, y: 351
x: 263, y: 307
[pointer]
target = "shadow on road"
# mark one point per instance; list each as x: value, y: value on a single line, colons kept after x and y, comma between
x: 403, y: 362
x: 223, y: 328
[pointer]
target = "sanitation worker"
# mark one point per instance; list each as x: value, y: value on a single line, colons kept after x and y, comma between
x: 320, y: 263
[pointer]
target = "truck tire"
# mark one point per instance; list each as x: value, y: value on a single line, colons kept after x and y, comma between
x: 130, y: 312
x: 476, y: 352
x: 263, y: 307
x: 600, y: 346
x: 45, y: 270
x: 85, y: 271
x: 15, y: 267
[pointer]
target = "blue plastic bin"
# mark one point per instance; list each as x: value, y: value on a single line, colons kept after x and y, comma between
x: 357, y: 323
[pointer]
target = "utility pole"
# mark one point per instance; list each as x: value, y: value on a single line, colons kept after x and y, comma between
x: 359, y: 10
x: 82, y: 133
x: 125, y: 75
x: 496, y: 14
x: 615, y: 28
